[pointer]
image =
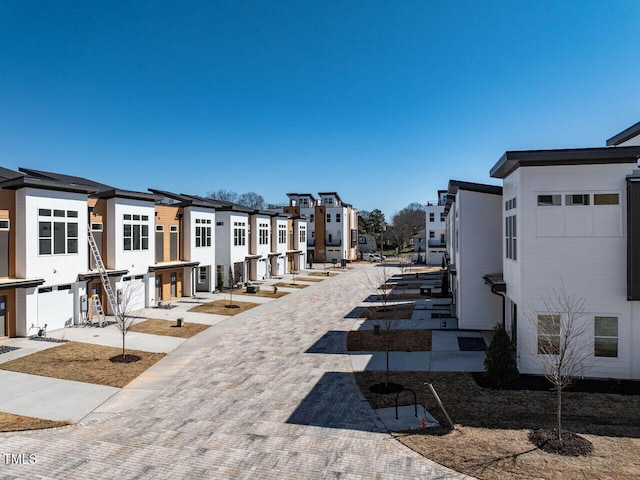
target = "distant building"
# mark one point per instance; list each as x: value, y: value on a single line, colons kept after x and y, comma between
x: 367, y: 243
x: 435, y: 229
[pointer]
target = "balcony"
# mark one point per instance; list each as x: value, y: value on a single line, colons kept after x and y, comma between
x: 436, y: 244
x: 333, y: 243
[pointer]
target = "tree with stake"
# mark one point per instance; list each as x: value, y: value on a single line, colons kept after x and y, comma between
x: 125, y: 318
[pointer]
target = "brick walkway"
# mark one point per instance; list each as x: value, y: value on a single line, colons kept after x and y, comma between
x: 270, y: 397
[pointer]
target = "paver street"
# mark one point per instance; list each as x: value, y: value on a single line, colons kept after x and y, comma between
x: 269, y: 395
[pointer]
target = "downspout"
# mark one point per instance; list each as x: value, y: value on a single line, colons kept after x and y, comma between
x: 493, y: 290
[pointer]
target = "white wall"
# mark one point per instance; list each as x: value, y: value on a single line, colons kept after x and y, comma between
x: 479, y: 254
x: 135, y: 261
x: 228, y: 254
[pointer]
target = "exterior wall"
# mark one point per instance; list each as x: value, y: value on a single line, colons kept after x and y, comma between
x: 167, y: 217
x: 320, y: 231
x: 479, y: 253
x: 135, y: 261
x: 205, y: 255
x: 26, y: 307
x: 260, y: 269
x: 99, y: 215
x: 8, y: 212
x: 228, y: 254
x: 433, y: 245
x: 582, y: 247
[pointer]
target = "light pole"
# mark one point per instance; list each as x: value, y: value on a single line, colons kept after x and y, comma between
x: 383, y: 227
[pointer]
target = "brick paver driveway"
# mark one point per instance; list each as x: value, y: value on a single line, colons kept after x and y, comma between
x: 270, y: 396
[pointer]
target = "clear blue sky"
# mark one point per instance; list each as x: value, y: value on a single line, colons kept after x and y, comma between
x: 380, y: 101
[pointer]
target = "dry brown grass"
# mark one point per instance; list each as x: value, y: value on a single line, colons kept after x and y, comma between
x: 490, y: 440
x: 291, y: 285
x: 266, y: 294
x: 168, y: 327
x: 15, y: 423
x: 222, y: 307
x: 310, y: 279
x: 323, y: 274
x: 401, y: 341
x: 390, y: 312
x: 84, y: 362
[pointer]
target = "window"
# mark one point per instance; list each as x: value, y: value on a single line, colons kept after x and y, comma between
x: 173, y: 229
x: 263, y: 234
x: 4, y: 224
x: 311, y: 218
x: 432, y: 234
x: 57, y: 237
x: 549, y: 334
x: 510, y: 237
x: 96, y: 227
x: 443, y: 217
x: 510, y: 204
x: 239, y: 233
x: 432, y: 217
x: 549, y: 200
x: 135, y: 232
x: 220, y: 224
x: 337, y: 218
x: 202, y: 274
x: 303, y: 235
x: 605, y: 199
x: 328, y: 217
x: 159, y: 228
x: 282, y: 234
x: 203, y: 233
x: 605, y: 341
x: 579, y: 199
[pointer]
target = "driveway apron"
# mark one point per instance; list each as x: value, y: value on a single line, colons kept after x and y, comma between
x: 271, y: 396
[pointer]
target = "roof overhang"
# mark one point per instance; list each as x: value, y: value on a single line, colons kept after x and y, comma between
x: 11, y: 283
x: 511, y: 161
x: 31, y: 182
x: 95, y: 274
x: 128, y: 194
x: 170, y: 265
x: 496, y: 281
x: 624, y: 135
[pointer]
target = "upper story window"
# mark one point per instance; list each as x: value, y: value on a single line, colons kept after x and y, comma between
x: 327, y: 201
x: 432, y: 234
x: 57, y: 231
x: 303, y: 235
x: 549, y: 200
x: 304, y: 201
x: 510, y: 204
x: 443, y: 217
x: 337, y: 218
x: 282, y: 234
x: 510, y: 237
x: 311, y: 218
x: 203, y: 232
x: 263, y: 233
x: 432, y: 217
x: 4, y: 225
x: 135, y: 232
x: 239, y: 233
x: 328, y: 217
x: 576, y: 199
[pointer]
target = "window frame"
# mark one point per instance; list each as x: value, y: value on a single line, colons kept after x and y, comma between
x: 603, y: 339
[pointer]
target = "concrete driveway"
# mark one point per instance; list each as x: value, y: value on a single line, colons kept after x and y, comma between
x: 268, y: 394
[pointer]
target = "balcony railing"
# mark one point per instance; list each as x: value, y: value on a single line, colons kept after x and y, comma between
x: 436, y: 244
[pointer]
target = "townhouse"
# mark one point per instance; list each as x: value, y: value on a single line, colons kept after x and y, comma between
x: 332, y: 226
x: 474, y: 249
x: 570, y: 218
x: 435, y: 229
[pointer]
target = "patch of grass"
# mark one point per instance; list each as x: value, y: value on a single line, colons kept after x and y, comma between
x: 84, y: 362
x: 156, y: 326
x: 401, y: 340
x: 323, y: 274
x: 222, y: 307
x: 291, y: 285
x: 492, y: 428
x: 267, y: 293
x: 390, y: 312
x: 310, y: 279
x: 15, y: 423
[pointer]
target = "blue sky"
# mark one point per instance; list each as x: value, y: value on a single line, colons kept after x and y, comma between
x: 380, y: 101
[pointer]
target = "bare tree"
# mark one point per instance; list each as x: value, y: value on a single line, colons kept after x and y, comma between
x: 252, y: 200
x: 232, y: 284
x: 378, y: 281
x: 561, y: 351
x: 124, y: 314
x: 224, y: 195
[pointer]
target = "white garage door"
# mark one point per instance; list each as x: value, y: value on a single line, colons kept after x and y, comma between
x: 133, y: 293
x: 55, y: 308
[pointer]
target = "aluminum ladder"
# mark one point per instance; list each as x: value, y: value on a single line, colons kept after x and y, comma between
x: 96, y: 305
x: 111, y: 298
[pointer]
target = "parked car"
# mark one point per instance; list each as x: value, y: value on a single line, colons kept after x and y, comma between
x: 373, y: 257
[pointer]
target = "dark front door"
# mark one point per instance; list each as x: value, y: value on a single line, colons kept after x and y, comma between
x: 158, y: 287
x: 3, y: 316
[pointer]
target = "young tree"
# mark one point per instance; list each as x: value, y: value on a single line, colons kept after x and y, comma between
x: 561, y: 351
x: 232, y: 283
x: 124, y: 314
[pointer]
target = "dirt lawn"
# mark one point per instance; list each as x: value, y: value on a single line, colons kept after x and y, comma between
x: 14, y: 423
x: 291, y: 285
x: 222, y: 307
x: 490, y: 440
x: 84, y: 362
x: 391, y: 312
x: 168, y: 327
x: 401, y: 341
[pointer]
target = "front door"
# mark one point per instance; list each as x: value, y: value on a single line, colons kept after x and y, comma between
x: 3, y: 316
x: 174, y: 282
x: 158, y: 287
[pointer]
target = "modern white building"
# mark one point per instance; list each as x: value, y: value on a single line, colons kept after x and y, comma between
x: 572, y: 218
x: 435, y: 229
x: 474, y: 249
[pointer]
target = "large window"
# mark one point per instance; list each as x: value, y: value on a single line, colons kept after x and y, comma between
x: 135, y: 232
x: 57, y: 231
x: 282, y: 234
x: 338, y: 218
x: 239, y: 233
x: 510, y: 237
x: 605, y: 341
x: 328, y: 218
x: 303, y: 236
x: 203, y: 232
x: 549, y: 334
x: 263, y: 233
x: 443, y: 217
x: 432, y: 217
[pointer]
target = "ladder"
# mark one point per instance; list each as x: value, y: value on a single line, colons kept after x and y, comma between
x: 111, y: 298
x: 97, y: 309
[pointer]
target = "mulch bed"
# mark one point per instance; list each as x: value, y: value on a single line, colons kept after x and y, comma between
x: 538, y: 383
x: 125, y: 358
x: 390, y: 312
x: 572, y: 445
x: 400, y: 340
x: 7, y: 349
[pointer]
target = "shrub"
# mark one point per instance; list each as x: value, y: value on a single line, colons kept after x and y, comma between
x: 500, y: 361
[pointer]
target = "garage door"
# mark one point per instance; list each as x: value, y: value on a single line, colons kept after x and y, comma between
x: 133, y: 293
x: 55, y: 307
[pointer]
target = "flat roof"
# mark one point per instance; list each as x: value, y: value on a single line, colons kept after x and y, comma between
x: 512, y: 160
